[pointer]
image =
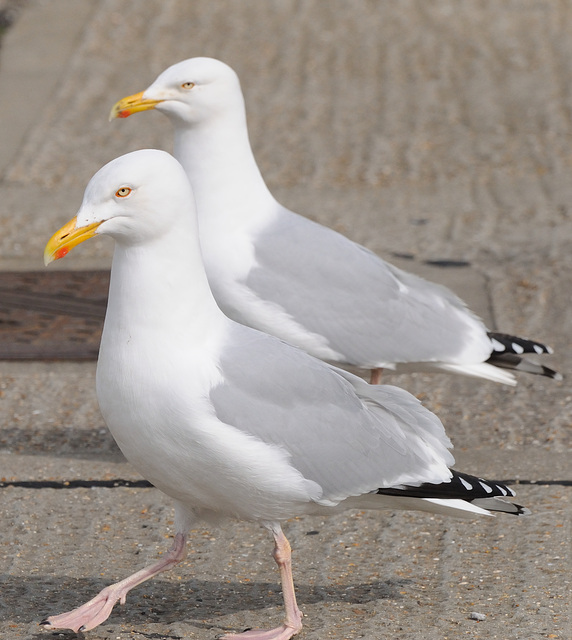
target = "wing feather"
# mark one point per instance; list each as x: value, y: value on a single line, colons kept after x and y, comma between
x: 372, y: 313
x: 339, y: 432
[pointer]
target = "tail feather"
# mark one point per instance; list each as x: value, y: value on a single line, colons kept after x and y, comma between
x: 482, y: 370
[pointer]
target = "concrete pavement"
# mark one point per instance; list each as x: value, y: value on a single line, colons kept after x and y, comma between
x: 436, y: 129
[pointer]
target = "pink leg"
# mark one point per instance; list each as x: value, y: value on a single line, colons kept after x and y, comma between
x: 376, y: 376
x: 97, y: 610
x: 293, y: 622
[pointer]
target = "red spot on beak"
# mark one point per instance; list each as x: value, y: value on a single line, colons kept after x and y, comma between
x: 124, y: 114
x: 60, y: 253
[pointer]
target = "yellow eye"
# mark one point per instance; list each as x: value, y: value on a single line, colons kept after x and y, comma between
x: 187, y: 85
x: 123, y: 192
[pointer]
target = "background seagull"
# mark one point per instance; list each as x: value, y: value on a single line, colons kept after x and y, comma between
x: 228, y: 421
x: 276, y: 271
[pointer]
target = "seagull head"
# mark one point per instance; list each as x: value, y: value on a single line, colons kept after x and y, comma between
x: 191, y: 92
x: 133, y: 198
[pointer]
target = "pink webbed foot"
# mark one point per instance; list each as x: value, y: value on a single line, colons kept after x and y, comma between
x: 284, y: 632
x: 98, y: 609
x: 90, y: 614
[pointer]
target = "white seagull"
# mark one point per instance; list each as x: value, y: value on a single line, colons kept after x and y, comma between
x: 230, y: 422
x: 276, y: 271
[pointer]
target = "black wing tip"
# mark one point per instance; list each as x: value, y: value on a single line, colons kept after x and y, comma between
x: 506, y: 343
x: 512, y: 362
x: 501, y: 505
x: 521, y: 511
x: 490, y: 495
x: 477, y: 487
x: 507, y: 352
x: 550, y: 373
x: 461, y: 486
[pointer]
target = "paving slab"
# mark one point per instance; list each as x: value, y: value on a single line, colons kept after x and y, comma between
x: 437, y: 130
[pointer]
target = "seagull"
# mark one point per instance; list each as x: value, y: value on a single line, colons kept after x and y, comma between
x: 279, y: 272
x: 230, y: 422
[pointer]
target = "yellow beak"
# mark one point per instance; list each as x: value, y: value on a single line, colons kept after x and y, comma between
x: 132, y: 104
x: 64, y: 240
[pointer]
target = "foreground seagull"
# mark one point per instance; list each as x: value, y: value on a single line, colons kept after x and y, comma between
x: 228, y: 421
x: 276, y: 271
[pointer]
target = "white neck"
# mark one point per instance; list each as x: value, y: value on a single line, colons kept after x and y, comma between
x: 220, y: 165
x: 159, y: 293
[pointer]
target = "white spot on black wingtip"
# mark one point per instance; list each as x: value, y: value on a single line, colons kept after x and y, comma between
x: 485, y: 486
x: 468, y: 486
x: 517, y: 348
x: 478, y: 491
x: 506, y: 343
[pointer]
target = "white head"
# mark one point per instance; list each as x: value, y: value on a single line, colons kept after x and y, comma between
x: 190, y: 92
x: 134, y: 198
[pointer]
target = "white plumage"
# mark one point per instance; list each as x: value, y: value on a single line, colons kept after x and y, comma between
x: 228, y: 421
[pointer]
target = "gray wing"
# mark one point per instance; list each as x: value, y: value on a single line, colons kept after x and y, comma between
x: 348, y: 437
x: 369, y: 311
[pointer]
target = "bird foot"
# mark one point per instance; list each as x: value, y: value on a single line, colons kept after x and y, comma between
x: 90, y: 614
x: 284, y: 632
x: 97, y: 610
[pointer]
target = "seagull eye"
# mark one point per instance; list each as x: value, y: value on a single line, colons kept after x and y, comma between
x: 123, y: 192
x: 187, y: 85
